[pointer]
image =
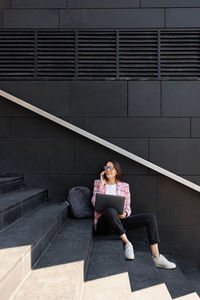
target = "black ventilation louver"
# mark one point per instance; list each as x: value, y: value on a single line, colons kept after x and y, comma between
x: 95, y: 54
x: 138, y: 54
x: 55, y: 54
x: 180, y: 54
x: 17, y: 54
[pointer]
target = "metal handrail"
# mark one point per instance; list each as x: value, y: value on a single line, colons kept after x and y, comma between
x: 100, y: 141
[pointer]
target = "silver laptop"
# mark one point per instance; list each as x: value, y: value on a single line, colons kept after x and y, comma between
x: 104, y: 201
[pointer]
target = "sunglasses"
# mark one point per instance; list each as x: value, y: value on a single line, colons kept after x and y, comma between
x: 108, y: 168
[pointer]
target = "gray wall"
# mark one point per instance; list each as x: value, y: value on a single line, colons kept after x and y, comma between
x: 157, y: 120
x: 99, y: 13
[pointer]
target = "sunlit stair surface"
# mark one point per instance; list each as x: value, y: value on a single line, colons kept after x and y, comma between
x: 23, y: 242
x: 156, y: 292
x: 107, y: 259
x: 111, y: 287
x: 74, y: 267
x: 59, y: 274
x: 192, y: 296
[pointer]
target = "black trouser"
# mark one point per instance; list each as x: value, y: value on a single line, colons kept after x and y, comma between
x: 110, y: 222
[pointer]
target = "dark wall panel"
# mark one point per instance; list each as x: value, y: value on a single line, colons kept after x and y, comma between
x: 5, y: 4
x: 134, y: 145
x: 1, y: 18
x: 170, y: 3
x: 144, y: 98
x: 177, y: 155
x: 143, y: 193
x: 96, y: 98
x: 40, y: 127
x: 39, y: 3
x: 139, y: 127
x: 173, y: 240
x: 180, y: 98
x: 52, y: 96
x: 103, y: 3
x: 8, y: 109
x: 90, y: 157
x: 58, y: 185
x: 4, y: 127
x: 182, y: 17
x: 37, y: 155
x: 172, y: 194
x: 195, y: 127
x: 111, y: 18
x: 30, y: 18
x: 193, y: 178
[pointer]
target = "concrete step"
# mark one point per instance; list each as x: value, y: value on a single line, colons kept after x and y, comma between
x: 10, y: 183
x: 192, y: 273
x: 14, y: 205
x: 115, y: 287
x: 59, y: 274
x: 156, y: 292
x: 107, y: 259
x: 192, y: 296
x: 23, y: 242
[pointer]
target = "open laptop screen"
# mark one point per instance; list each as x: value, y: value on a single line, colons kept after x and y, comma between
x: 104, y: 201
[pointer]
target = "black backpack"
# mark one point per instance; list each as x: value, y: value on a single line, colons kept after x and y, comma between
x: 81, y: 206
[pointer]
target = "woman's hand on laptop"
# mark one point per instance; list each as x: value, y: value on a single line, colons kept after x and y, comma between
x: 123, y: 216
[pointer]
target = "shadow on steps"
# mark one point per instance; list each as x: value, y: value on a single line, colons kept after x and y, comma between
x: 107, y: 259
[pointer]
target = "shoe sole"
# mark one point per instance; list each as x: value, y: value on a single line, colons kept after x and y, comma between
x: 130, y: 258
x: 158, y: 266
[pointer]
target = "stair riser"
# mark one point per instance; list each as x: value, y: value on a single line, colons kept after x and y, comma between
x: 44, y: 240
x: 86, y: 261
x: 10, y: 186
x: 16, y: 212
x: 24, y: 265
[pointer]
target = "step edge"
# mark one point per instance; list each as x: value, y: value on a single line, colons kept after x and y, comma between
x: 30, y: 246
x: 23, y: 200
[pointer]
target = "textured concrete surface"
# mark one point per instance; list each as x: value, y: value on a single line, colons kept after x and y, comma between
x: 23, y: 242
x: 192, y: 273
x: 156, y: 292
x: 14, y: 205
x: 56, y: 282
x: 6, y: 179
x: 192, y: 296
x: 12, y: 198
x: 113, y: 287
x: 8, y: 184
x: 59, y: 274
x: 107, y: 258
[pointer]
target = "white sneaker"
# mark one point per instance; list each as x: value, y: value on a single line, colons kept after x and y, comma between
x: 162, y: 262
x: 128, y: 251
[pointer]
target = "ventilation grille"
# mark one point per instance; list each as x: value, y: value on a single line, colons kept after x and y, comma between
x: 180, y: 54
x: 138, y: 54
x: 17, y: 54
x: 95, y: 54
x: 55, y: 54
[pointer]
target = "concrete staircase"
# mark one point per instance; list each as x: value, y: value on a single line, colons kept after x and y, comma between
x: 46, y: 255
x: 28, y: 223
x: 114, y: 277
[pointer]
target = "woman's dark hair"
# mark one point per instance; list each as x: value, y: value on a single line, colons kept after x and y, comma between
x: 117, y: 167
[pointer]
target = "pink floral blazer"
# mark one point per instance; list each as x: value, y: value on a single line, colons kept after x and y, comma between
x: 122, y: 189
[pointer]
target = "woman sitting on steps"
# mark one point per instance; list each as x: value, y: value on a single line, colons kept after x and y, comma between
x: 109, y: 221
